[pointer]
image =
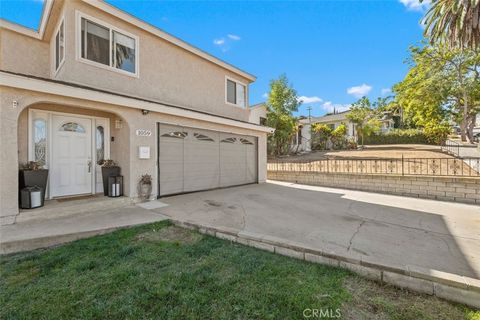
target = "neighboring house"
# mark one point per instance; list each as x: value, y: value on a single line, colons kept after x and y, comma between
x: 95, y: 83
x: 302, y: 141
x: 387, y: 122
x: 258, y: 114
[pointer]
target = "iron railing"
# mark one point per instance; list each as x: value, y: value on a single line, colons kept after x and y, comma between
x: 458, y: 167
x: 451, y: 147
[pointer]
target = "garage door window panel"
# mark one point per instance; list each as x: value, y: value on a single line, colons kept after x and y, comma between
x: 203, y: 137
x: 245, y: 141
x: 175, y: 134
x: 229, y: 140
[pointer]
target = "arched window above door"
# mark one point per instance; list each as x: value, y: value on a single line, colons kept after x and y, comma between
x: 72, y: 127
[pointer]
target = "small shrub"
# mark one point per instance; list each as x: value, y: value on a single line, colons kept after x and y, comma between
x: 436, y: 133
x: 320, y: 135
x: 338, y: 137
x: 352, y: 144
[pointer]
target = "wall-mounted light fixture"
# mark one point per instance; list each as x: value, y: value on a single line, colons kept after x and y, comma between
x: 14, y: 104
x: 118, y: 124
x: 145, y: 112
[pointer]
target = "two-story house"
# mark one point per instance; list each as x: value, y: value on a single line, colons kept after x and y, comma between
x: 96, y: 83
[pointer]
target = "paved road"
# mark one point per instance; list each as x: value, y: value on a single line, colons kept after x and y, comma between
x: 384, y: 229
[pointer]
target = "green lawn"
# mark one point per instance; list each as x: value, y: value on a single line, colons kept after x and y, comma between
x: 160, y: 271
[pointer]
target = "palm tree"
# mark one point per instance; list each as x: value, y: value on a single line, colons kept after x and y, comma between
x: 454, y: 22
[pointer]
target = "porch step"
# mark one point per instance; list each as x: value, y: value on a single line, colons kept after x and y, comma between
x: 64, y: 207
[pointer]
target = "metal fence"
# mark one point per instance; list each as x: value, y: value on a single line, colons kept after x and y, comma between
x: 458, y: 167
x: 451, y: 147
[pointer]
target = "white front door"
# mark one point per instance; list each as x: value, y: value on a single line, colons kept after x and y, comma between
x: 72, y: 167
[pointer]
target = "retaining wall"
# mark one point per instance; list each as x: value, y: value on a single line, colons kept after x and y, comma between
x: 458, y: 189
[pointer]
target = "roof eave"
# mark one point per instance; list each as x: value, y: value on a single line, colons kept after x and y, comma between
x: 106, y: 7
x: 37, y: 34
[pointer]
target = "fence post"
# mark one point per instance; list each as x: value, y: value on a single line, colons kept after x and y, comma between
x: 402, y: 165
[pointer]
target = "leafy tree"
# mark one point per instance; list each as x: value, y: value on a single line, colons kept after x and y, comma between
x: 442, y: 84
x: 364, y: 117
x: 338, y: 137
x: 282, y: 102
x: 321, y: 134
x: 454, y: 22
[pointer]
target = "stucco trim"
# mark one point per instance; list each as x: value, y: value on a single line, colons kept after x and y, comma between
x: 70, y: 90
x: 19, y: 29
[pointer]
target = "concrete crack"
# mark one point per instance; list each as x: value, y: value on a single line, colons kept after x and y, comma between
x: 244, y: 213
x: 354, y: 234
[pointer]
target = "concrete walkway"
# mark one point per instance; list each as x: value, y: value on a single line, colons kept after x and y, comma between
x: 40, y: 233
x: 381, y: 229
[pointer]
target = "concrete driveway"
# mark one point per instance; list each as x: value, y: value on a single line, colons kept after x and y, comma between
x: 383, y: 229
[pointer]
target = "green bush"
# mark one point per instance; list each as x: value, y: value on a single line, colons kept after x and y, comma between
x: 320, y: 135
x: 435, y: 134
x: 398, y: 136
x: 338, y: 138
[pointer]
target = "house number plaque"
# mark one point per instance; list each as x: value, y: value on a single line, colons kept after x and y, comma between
x: 143, y: 133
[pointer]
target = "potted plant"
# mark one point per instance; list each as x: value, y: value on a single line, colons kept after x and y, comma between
x: 145, y: 187
x: 109, y: 169
x: 33, y: 174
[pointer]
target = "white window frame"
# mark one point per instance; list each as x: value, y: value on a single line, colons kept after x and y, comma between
x: 78, y: 44
x: 245, y: 106
x: 53, y: 45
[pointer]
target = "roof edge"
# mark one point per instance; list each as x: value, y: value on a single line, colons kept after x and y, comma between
x: 23, y: 81
x: 125, y: 16
x: 129, y: 18
x: 30, y: 32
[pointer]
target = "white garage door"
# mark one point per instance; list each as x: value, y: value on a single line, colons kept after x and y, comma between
x: 192, y: 159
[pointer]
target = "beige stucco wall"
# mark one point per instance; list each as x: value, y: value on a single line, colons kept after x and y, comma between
x: 124, y: 149
x: 22, y: 54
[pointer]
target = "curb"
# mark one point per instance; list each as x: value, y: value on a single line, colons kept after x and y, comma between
x: 441, y: 284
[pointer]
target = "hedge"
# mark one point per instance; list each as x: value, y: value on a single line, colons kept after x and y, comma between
x: 407, y: 136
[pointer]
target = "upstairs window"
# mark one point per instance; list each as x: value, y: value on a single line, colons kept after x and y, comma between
x: 108, y: 46
x: 235, y: 93
x: 95, y: 42
x: 124, y: 49
x: 60, y: 45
